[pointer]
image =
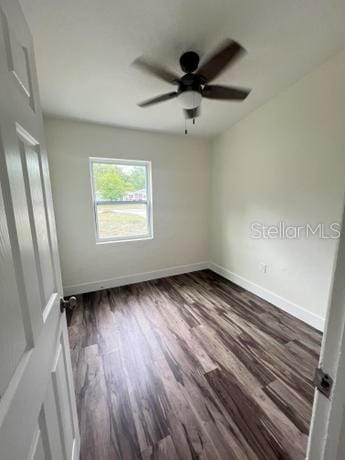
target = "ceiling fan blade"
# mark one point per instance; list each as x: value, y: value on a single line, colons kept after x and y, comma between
x: 156, y: 70
x: 157, y: 99
x: 191, y: 113
x: 226, y: 93
x: 227, y: 53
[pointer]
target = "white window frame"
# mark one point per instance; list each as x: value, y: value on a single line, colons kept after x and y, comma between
x: 116, y: 161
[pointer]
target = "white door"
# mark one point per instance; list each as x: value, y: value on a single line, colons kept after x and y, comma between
x: 38, y: 417
x: 327, y: 435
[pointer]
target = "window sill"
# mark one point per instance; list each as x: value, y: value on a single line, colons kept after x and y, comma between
x: 125, y: 240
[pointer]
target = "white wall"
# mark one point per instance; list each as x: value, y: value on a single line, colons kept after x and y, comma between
x: 286, y: 161
x: 180, y: 180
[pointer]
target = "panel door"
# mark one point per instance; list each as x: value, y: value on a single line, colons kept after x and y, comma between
x: 327, y: 430
x: 38, y: 418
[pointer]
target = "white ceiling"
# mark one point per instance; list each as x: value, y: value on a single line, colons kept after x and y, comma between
x: 84, y: 49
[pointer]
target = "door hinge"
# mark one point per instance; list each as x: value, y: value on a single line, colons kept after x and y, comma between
x: 68, y: 304
x: 323, y: 382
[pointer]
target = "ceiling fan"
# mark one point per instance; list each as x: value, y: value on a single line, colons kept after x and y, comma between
x: 195, y: 83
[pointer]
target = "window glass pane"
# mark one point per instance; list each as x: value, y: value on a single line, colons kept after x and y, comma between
x: 121, y: 199
x: 121, y: 220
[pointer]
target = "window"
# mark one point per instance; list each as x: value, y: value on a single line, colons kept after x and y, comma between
x: 121, y: 191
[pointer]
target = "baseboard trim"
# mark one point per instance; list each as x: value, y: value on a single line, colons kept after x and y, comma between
x: 280, y: 302
x: 131, y: 279
x: 295, y: 310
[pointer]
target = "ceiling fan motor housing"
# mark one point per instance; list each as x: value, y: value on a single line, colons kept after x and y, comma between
x: 190, y: 81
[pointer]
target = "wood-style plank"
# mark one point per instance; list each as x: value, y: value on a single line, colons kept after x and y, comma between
x: 163, y: 449
x: 191, y: 367
x: 93, y: 406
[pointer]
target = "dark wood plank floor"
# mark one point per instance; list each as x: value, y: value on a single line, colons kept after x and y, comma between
x: 191, y: 367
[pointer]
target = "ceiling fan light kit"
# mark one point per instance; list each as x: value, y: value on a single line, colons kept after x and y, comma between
x: 189, y: 99
x: 195, y: 83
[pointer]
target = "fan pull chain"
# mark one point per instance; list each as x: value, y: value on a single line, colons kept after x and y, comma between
x: 185, y: 127
x: 194, y: 107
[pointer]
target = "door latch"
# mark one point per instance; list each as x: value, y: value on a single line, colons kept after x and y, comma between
x: 67, y: 304
x: 323, y: 382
